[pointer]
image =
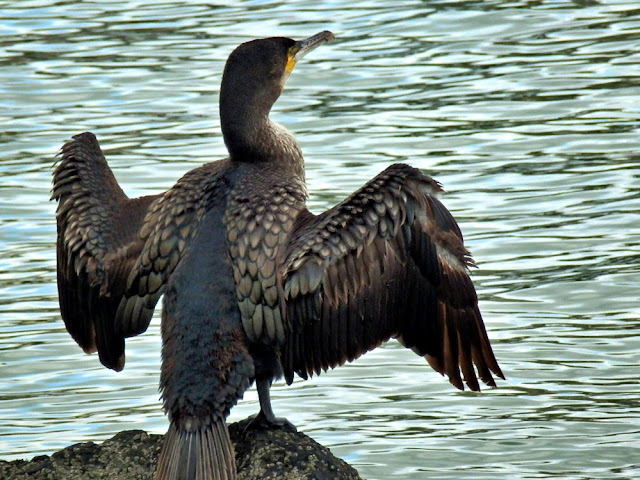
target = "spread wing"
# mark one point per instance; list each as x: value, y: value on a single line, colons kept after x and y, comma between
x: 387, y: 262
x: 169, y: 226
x: 98, y: 243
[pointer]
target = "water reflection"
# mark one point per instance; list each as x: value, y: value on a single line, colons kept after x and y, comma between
x: 527, y: 112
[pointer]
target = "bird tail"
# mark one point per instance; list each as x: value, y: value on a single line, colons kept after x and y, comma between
x: 203, y: 453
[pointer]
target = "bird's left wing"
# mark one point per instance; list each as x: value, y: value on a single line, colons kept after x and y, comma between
x: 97, y: 245
x: 389, y: 261
x: 168, y: 228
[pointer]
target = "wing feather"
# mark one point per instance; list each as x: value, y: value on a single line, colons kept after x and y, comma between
x: 387, y: 262
x: 97, y: 245
x: 168, y: 228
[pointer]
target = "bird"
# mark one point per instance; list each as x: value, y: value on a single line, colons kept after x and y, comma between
x: 256, y: 287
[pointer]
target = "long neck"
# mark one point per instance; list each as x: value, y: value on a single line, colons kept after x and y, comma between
x: 250, y: 136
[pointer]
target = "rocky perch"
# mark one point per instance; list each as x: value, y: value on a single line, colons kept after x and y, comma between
x: 130, y: 455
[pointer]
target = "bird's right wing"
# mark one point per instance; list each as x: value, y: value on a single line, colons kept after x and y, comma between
x: 97, y: 245
x: 389, y: 261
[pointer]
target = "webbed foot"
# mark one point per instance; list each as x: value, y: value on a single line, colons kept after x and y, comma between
x: 263, y: 421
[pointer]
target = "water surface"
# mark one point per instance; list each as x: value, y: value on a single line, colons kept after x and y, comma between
x: 526, y: 112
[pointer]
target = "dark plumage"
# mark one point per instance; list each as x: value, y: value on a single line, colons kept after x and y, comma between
x: 256, y: 286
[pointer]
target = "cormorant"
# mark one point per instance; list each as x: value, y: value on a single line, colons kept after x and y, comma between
x: 255, y: 286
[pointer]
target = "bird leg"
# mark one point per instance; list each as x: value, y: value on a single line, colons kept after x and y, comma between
x: 266, y: 418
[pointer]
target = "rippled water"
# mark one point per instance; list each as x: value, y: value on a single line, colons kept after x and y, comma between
x: 527, y: 112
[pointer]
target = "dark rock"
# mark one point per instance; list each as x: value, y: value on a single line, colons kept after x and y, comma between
x: 284, y: 453
x: 261, y: 454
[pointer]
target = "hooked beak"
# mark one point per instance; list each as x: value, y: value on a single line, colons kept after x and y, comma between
x: 302, y: 47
